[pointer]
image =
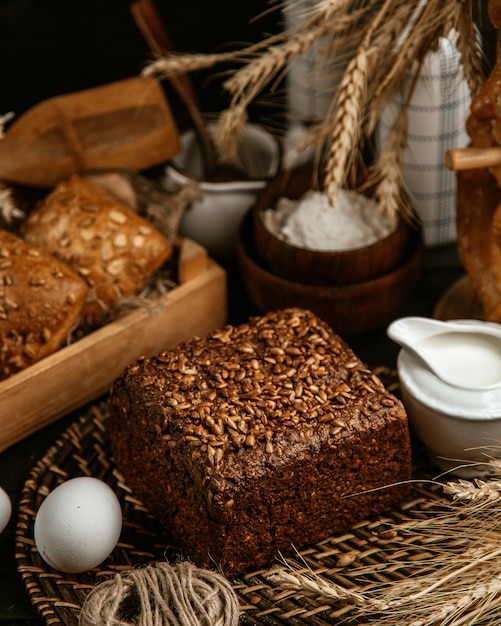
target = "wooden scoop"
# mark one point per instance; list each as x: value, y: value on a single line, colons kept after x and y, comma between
x: 125, y: 124
x: 155, y: 33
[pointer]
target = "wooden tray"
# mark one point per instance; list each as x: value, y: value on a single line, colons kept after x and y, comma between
x: 84, y: 370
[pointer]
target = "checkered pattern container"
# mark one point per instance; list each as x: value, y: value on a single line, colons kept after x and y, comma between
x: 437, y: 115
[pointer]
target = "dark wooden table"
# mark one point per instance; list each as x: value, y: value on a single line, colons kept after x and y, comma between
x: 441, y: 270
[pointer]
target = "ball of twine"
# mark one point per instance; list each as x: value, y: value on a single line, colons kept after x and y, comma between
x: 162, y: 595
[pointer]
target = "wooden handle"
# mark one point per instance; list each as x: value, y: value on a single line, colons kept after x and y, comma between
x: 155, y: 33
x: 472, y: 158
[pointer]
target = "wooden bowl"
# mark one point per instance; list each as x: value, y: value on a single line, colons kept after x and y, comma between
x: 350, y: 309
x: 315, y: 267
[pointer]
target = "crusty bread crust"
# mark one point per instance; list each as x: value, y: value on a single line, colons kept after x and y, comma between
x: 40, y: 302
x: 100, y: 238
x: 259, y: 438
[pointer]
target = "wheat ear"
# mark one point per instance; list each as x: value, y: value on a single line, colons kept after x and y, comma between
x: 311, y: 586
x: 387, y: 173
x: 229, y: 127
x: 434, y: 19
x: 175, y: 64
x: 468, y: 45
x: 347, y: 124
x: 9, y: 211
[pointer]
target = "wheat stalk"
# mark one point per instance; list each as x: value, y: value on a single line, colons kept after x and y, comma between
x: 494, y: 465
x: 391, y: 37
x: 478, y: 491
x: 397, y: 18
x: 229, y: 128
x: 174, y: 64
x: 429, y: 25
x: 314, y: 587
x: 251, y: 79
x: 468, y: 44
x: 397, y: 602
x: 462, y: 608
x: 328, y: 18
x: 4, y: 119
x: 456, y: 583
x: 325, y: 11
x: 9, y: 211
x: 385, y: 42
x: 388, y: 171
x: 348, y: 118
x: 346, y: 124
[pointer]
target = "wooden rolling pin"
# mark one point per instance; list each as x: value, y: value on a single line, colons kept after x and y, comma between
x: 457, y: 159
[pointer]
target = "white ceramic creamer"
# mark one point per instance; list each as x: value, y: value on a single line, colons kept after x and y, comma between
x: 450, y: 382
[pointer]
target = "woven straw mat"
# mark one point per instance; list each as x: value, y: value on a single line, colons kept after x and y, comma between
x: 363, y: 553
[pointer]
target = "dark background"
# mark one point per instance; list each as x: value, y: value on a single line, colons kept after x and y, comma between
x: 51, y: 47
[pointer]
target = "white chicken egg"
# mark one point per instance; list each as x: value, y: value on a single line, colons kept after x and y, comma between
x: 78, y: 525
x: 5, y: 509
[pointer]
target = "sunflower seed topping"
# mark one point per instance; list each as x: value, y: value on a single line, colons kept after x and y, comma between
x: 253, y: 386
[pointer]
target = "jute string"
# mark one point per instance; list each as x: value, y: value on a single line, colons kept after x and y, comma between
x: 162, y: 595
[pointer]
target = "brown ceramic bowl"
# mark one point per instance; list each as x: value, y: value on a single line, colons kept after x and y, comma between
x: 350, y: 309
x: 315, y: 267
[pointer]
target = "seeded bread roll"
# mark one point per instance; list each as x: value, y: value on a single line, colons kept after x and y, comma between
x: 40, y: 301
x: 100, y: 238
x: 246, y: 443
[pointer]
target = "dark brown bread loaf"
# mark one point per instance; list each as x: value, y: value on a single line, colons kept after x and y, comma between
x: 40, y: 302
x: 247, y: 442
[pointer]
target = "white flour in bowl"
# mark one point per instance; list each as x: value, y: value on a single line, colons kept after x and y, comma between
x: 313, y: 223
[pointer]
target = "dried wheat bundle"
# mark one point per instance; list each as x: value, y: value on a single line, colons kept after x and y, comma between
x: 381, y: 43
x: 454, y: 577
x: 4, y: 120
x: 9, y: 209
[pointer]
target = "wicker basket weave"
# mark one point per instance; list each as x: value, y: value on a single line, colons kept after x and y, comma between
x: 83, y: 450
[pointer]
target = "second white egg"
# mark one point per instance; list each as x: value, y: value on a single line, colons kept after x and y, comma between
x: 78, y: 525
x: 5, y: 509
